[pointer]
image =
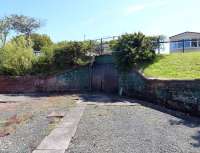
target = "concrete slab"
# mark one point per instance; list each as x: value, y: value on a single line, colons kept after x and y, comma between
x: 49, y: 151
x: 60, y: 137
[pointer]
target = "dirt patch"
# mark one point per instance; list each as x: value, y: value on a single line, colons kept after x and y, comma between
x: 9, y: 126
x: 24, y: 123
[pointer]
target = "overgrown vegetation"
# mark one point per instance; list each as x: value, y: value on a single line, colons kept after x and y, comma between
x: 16, y: 58
x: 19, y: 24
x: 132, y: 49
x: 40, y: 41
x: 17, y: 55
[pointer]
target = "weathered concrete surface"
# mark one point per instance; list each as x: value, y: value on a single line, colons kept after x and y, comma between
x: 60, y: 137
x: 183, y: 95
x: 138, y: 129
x: 49, y: 151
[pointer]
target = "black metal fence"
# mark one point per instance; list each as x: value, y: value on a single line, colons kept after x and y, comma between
x: 102, y: 45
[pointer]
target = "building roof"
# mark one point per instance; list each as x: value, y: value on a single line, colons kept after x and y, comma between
x: 187, y: 32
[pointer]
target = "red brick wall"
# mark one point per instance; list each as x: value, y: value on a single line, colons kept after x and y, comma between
x: 23, y: 84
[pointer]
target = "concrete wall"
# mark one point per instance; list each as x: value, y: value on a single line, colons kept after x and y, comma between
x: 101, y: 76
x: 177, y: 94
x: 182, y: 95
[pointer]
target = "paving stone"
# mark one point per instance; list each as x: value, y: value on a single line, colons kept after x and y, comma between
x: 60, y: 137
x: 49, y: 151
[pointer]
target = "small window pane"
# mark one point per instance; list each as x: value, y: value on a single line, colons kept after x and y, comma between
x: 194, y: 43
x: 187, y: 43
x: 173, y: 45
x: 180, y: 44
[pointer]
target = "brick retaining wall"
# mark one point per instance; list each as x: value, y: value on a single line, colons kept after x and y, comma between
x: 73, y: 80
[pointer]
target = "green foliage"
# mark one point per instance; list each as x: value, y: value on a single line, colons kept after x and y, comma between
x: 5, y: 27
x: 16, y: 58
x: 112, y: 43
x: 61, y: 56
x: 132, y: 49
x: 40, y: 41
x: 61, y: 44
x: 44, y: 63
x: 174, y: 66
x: 19, y: 24
x: 20, y: 41
x: 71, y: 54
x: 24, y: 24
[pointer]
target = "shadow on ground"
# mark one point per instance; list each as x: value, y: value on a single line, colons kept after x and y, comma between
x: 189, y: 122
x: 182, y: 118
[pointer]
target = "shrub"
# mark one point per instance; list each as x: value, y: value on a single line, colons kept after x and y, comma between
x: 16, y: 58
x: 132, y: 49
x: 40, y: 41
x: 71, y: 54
x: 43, y: 63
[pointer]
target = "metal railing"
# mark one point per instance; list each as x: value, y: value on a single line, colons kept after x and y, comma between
x: 102, y: 45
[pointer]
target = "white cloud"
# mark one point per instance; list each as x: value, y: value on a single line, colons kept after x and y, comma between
x: 133, y: 8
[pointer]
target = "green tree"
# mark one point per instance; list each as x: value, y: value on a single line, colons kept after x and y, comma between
x: 16, y: 57
x: 72, y: 54
x: 157, y: 42
x: 44, y: 62
x: 132, y: 49
x: 24, y: 24
x: 19, y: 24
x: 40, y: 41
x: 5, y: 27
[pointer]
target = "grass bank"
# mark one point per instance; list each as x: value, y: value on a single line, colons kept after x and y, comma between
x: 174, y: 66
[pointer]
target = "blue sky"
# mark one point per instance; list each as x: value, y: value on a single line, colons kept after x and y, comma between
x: 71, y: 19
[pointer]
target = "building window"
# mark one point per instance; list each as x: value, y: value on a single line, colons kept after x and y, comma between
x: 180, y: 44
x: 174, y: 45
x: 194, y: 43
x: 187, y: 43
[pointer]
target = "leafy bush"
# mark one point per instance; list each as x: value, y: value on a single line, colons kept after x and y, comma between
x: 44, y: 62
x: 40, y: 41
x: 132, y: 49
x: 16, y: 58
x: 70, y: 54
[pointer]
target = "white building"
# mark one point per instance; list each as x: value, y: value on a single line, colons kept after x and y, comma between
x: 184, y: 42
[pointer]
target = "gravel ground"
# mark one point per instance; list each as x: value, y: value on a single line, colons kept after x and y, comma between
x: 29, y: 133
x: 138, y: 129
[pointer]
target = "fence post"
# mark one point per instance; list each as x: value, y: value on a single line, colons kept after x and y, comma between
x: 183, y: 45
x: 91, y: 46
x: 101, y: 45
x: 158, y: 42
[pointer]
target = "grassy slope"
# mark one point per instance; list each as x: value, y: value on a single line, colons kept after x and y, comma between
x: 175, y: 66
